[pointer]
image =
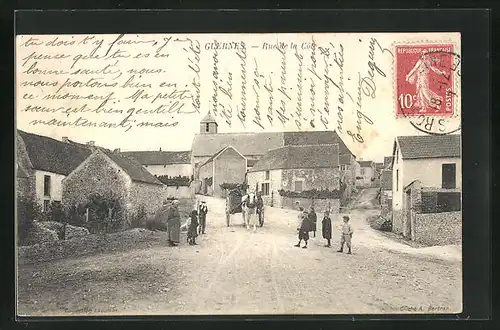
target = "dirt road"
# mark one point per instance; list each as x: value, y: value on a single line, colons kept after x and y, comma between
x: 236, y: 271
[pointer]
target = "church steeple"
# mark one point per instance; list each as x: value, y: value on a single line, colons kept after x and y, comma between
x: 208, y: 125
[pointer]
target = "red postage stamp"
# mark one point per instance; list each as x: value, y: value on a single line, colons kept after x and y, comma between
x: 425, y: 80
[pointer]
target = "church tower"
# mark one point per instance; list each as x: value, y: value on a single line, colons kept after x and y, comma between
x: 208, y: 125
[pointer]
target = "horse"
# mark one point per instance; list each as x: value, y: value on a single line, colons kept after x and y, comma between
x: 249, y: 210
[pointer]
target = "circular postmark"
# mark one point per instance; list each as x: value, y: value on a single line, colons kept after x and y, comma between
x: 427, y: 90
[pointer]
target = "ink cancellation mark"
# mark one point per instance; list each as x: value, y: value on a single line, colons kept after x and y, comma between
x: 425, y: 87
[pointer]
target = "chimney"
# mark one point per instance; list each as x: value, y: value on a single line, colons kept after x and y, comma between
x: 116, y: 150
x: 91, y: 143
x: 65, y: 139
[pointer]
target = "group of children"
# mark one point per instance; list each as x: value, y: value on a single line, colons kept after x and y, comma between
x: 197, y: 224
x: 308, y: 224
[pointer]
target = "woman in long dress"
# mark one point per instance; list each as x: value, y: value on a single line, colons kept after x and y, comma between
x: 174, y: 224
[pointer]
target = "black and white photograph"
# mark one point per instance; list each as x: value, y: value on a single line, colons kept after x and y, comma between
x: 238, y: 174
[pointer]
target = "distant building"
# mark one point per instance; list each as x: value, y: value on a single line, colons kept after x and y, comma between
x: 159, y: 163
x: 42, y: 164
x: 295, y: 169
x: 365, y: 173
x: 421, y: 164
x: 227, y: 165
x: 388, y: 162
x: 253, y: 146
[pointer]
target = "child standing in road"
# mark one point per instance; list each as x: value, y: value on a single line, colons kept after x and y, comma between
x: 304, y: 228
x: 326, y: 228
x: 193, y: 228
x: 346, y: 235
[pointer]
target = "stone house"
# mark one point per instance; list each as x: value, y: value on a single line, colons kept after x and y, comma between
x: 227, y: 165
x: 297, y: 169
x: 42, y: 164
x: 115, y: 176
x: 253, y: 146
x: 365, y: 173
x: 425, y: 169
x: 209, y: 141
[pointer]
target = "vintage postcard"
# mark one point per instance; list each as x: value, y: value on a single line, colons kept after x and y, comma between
x: 211, y: 174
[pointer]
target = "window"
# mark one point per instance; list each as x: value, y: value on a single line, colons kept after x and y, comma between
x: 265, y: 189
x: 298, y: 185
x: 207, y: 127
x: 362, y: 171
x: 267, y: 175
x: 397, y: 180
x: 46, y: 205
x: 46, y: 185
x: 449, y: 176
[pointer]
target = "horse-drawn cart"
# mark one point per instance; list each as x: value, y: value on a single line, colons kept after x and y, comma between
x: 234, y: 204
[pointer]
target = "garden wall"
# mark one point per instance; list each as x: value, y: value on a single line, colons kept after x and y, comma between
x: 438, y: 228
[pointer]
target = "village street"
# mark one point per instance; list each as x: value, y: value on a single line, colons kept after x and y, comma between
x: 235, y: 271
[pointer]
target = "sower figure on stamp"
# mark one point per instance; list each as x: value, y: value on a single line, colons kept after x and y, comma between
x: 326, y: 228
x: 346, y: 235
x: 304, y: 228
x: 202, y: 213
x: 420, y: 76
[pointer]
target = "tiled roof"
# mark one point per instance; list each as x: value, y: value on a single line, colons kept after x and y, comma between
x: 246, y: 143
x: 299, y: 157
x: 379, y: 166
x: 47, y: 154
x: 365, y: 163
x: 386, y: 180
x: 208, y: 118
x: 217, y: 154
x: 129, y: 165
x: 160, y: 157
x: 315, y: 137
x: 430, y: 146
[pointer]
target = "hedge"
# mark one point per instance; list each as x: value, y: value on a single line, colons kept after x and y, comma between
x: 178, y: 181
x: 231, y: 186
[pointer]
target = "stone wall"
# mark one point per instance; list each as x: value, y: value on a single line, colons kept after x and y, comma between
x: 180, y: 192
x: 149, y: 196
x: 26, y: 186
x: 97, y: 175
x: 318, y: 178
x: 320, y: 205
x: 438, y: 228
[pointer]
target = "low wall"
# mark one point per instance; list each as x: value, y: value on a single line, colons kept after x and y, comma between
x: 438, y: 228
x: 397, y: 221
x: 179, y: 192
x: 320, y: 205
x: 91, y: 245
